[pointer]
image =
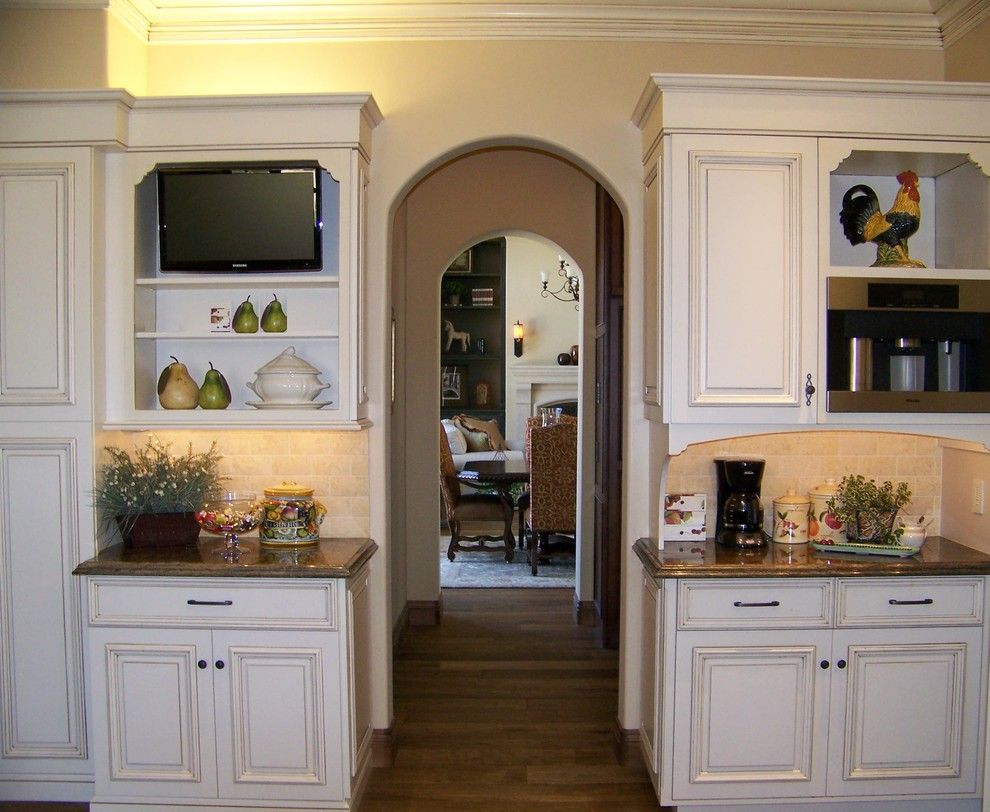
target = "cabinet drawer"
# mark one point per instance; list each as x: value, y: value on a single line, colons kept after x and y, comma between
x: 212, y: 602
x: 955, y: 601
x: 754, y: 604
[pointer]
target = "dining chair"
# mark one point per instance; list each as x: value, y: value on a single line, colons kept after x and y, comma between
x: 470, y: 507
x: 552, y: 486
x: 522, y: 503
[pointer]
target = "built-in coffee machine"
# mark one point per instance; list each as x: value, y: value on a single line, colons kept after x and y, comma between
x: 901, y: 345
x: 739, y: 513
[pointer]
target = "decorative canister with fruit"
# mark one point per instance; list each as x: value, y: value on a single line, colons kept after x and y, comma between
x: 291, y: 516
x: 822, y: 525
x: 790, y: 518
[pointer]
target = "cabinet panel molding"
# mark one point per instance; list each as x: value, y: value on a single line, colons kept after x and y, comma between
x: 883, y: 679
x: 43, y: 698
x: 275, y: 697
x: 159, y: 681
x: 35, y: 287
x: 745, y: 258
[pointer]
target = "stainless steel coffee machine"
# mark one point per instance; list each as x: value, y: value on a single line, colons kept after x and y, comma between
x: 739, y: 517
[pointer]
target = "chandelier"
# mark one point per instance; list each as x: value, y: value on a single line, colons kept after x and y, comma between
x: 570, y: 286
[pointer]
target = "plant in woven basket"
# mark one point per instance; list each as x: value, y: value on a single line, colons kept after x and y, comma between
x: 150, y: 480
x: 869, y: 509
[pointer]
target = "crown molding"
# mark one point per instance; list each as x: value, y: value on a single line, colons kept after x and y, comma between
x: 891, y: 24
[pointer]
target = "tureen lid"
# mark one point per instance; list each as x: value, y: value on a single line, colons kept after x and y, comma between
x: 289, y: 489
x: 792, y: 499
x: 288, y: 361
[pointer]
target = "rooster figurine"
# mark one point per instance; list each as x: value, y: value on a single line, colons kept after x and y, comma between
x: 862, y: 221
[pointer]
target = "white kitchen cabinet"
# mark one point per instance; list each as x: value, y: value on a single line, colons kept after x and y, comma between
x: 740, y: 320
x: 650, y: 672
x: 150, y: 315
x: 216, y: 691
x: 46, y: 463
x: 803, y: 690
x: 744, y: 180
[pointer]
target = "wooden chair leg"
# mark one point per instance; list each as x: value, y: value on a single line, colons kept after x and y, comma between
x: 455, y: 534
x: 534, y: 555
x: 507, y: 536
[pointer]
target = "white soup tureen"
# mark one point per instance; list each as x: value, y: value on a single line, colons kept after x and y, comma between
x: 287, y: 379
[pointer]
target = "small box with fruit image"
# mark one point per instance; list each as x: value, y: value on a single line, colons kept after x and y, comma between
x: 684, y: 516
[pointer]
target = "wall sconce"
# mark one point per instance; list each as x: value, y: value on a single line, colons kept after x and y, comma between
x: 570, y: 285
x: 517, y: 338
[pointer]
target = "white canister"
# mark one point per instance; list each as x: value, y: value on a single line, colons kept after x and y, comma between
x: 790, y: 518
x: 822, y: 525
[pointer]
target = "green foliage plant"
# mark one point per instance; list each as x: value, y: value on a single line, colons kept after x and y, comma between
x: 452, y: 287
x: 151, y: 480
x: 868, y: 509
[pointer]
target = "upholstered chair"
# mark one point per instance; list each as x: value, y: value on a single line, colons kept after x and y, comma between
x: 523, y: 501
x: 552, y: 485
x: 471, y: 507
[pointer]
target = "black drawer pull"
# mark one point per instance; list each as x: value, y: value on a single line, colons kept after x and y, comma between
x: 922, y: 602
x: 201, y: 663
x: 766, y: 603
x: 194, y: 602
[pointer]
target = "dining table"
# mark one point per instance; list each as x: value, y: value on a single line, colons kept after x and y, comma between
x: 498, y: 474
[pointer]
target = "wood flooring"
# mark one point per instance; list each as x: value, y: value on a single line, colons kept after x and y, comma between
x: 507, y: 705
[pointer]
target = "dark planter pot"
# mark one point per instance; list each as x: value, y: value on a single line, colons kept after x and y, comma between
x: 159, y: 529
x: 871, y: 528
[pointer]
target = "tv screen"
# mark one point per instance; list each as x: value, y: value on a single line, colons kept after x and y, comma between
x: 245, y: 217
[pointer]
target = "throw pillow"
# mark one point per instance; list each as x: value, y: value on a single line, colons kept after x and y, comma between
x: 482, y: 435
x: 455, y: 437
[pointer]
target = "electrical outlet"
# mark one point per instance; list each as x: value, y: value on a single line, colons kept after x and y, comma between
x: 979, y: 496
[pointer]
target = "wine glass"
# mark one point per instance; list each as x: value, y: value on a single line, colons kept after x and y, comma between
x: 229, y: 515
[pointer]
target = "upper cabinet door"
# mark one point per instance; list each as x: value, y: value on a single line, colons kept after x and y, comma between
x: 45, y: 244
x: 742, y: 280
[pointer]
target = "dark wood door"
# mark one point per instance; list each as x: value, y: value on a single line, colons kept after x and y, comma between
x: 608, y: 402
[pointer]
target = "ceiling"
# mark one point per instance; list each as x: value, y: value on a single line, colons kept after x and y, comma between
x: 927, y: 24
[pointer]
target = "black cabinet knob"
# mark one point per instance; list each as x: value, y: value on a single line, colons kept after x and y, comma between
x: 824, y: 663
x: 219, y: 663
x: 202, y: 663
x: 841, y: 664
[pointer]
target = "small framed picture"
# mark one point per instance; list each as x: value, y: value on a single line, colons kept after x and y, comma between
x: 461, y: 264
x: 453, y: 385
x: 482, y: 395
x: 220, y: 319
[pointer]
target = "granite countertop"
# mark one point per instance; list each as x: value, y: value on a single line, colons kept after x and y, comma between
x: 938, y: 556
x: 329, y: 558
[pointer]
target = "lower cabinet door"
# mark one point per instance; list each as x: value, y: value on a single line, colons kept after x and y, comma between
x: 750, y: 714
x: 277, y: 716
x: 905, y: 715
x: 155, y: 733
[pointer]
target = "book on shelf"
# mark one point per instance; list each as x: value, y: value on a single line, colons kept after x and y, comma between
x: 482, y: 297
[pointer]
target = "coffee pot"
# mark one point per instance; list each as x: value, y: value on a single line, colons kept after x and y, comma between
x: 739, y: 520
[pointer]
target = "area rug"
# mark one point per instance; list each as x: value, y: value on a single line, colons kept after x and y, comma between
x: 491, y: 570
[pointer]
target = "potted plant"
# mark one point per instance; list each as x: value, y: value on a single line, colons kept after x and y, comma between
x: 452, y: 290
x: 152, y: 495
x: 869, y: 509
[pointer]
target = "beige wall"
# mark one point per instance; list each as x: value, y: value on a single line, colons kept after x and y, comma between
x: 969, y: 59
x: 53, y: 50
x: 960, y: 467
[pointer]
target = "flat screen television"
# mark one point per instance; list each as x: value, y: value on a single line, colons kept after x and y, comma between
x: 240, y: 217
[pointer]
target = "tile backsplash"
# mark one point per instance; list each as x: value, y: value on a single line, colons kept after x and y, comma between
x: 802, y: 460
x: 334, y: 464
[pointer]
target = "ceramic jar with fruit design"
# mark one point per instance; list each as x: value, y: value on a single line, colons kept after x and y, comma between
x: 822, y: 525
x: 291, y: 516
x: 790, y: 518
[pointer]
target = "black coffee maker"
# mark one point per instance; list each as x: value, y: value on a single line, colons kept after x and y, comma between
x: 739, y: 520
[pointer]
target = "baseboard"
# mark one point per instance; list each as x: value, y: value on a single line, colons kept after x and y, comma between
x: 424, y: 613
x: 585, y: 612
x: 625, y: 745
x: 399, y: 629
x: 382, y: 748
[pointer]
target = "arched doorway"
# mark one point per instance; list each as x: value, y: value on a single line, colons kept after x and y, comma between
x: 471, y: 196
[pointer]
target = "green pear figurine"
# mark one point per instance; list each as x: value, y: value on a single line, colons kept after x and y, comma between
x: 274, y: 320
x: 245, y: 319
x: 214, y: 393
x: 176, y: 389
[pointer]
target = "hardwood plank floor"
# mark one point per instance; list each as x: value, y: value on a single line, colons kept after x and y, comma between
x: 507, y: 705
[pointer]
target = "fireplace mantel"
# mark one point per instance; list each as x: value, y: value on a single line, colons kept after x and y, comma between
x: 531, y: 385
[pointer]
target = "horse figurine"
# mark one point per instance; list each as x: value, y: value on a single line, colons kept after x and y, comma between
x: 456, y: 335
